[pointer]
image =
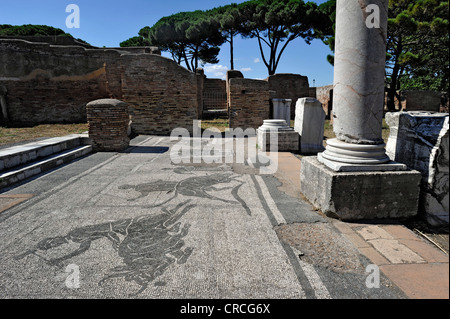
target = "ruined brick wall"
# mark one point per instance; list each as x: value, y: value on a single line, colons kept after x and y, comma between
x: 428, y: 101
x: 52, y: 84
x: 312, y: 92
x: 289, y: 86
x: 248, y: 102
x: 324, y: 94
x: 161, y: 95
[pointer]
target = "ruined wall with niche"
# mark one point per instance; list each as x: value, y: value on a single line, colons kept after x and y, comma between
x: 52, y: 84
x: 214, y: 94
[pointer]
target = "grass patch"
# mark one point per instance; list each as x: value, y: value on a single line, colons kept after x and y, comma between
x: 14, y: 135
x: 220, y: 124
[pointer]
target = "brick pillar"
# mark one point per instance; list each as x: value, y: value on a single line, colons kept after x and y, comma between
x: 108, y: 123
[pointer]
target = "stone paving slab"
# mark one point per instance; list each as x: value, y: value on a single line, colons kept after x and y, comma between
x: 413, y: 264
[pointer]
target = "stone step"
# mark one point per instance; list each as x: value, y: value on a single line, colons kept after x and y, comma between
x: 22, y: 172
x: 22, y: 154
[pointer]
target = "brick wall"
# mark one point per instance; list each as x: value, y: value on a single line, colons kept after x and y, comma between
x: 52, y: 84
x: 248, y: 102
x: 324, y: 94
x: 161, y: 95
x: 108, y: 122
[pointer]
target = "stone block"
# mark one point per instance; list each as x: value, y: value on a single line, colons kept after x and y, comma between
x: 359, y: 195
x: 420, y: 141
x: 310, y: 124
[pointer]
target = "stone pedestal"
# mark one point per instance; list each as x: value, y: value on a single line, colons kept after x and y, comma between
x: 359, y: 195
x: 108, y: 125
x: 282, y: 110
x: 310, y: 124
x: 420, y: 140
x: 286, y: 139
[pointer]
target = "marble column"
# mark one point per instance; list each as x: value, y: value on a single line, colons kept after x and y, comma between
x: 358, y: 98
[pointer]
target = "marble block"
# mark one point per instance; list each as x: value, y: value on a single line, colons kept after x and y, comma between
x: 310, y: 125
x: 420, y: 140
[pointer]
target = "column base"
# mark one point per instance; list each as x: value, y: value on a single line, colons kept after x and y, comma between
x: 346, y: 167
x: 359, y: 195
x: 346, y: 157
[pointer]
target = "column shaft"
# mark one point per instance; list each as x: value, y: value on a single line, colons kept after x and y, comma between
x: 359, y: 76
x: 358, y: 99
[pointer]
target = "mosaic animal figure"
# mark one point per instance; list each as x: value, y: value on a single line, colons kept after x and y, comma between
x: 148, y: 245
x: 196, y: 186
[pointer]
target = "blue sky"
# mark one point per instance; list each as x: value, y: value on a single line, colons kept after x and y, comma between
x: 107, y: 23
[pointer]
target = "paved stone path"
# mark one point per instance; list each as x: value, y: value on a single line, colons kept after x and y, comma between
x: 133, y: 225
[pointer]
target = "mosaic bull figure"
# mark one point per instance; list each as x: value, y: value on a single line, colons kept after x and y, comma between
x: 148, y: 245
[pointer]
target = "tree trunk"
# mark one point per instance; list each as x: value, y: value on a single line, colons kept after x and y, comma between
x: 392, y: 91
x: 231, y: 51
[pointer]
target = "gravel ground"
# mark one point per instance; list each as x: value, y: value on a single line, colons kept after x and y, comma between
x: 320, y: 244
